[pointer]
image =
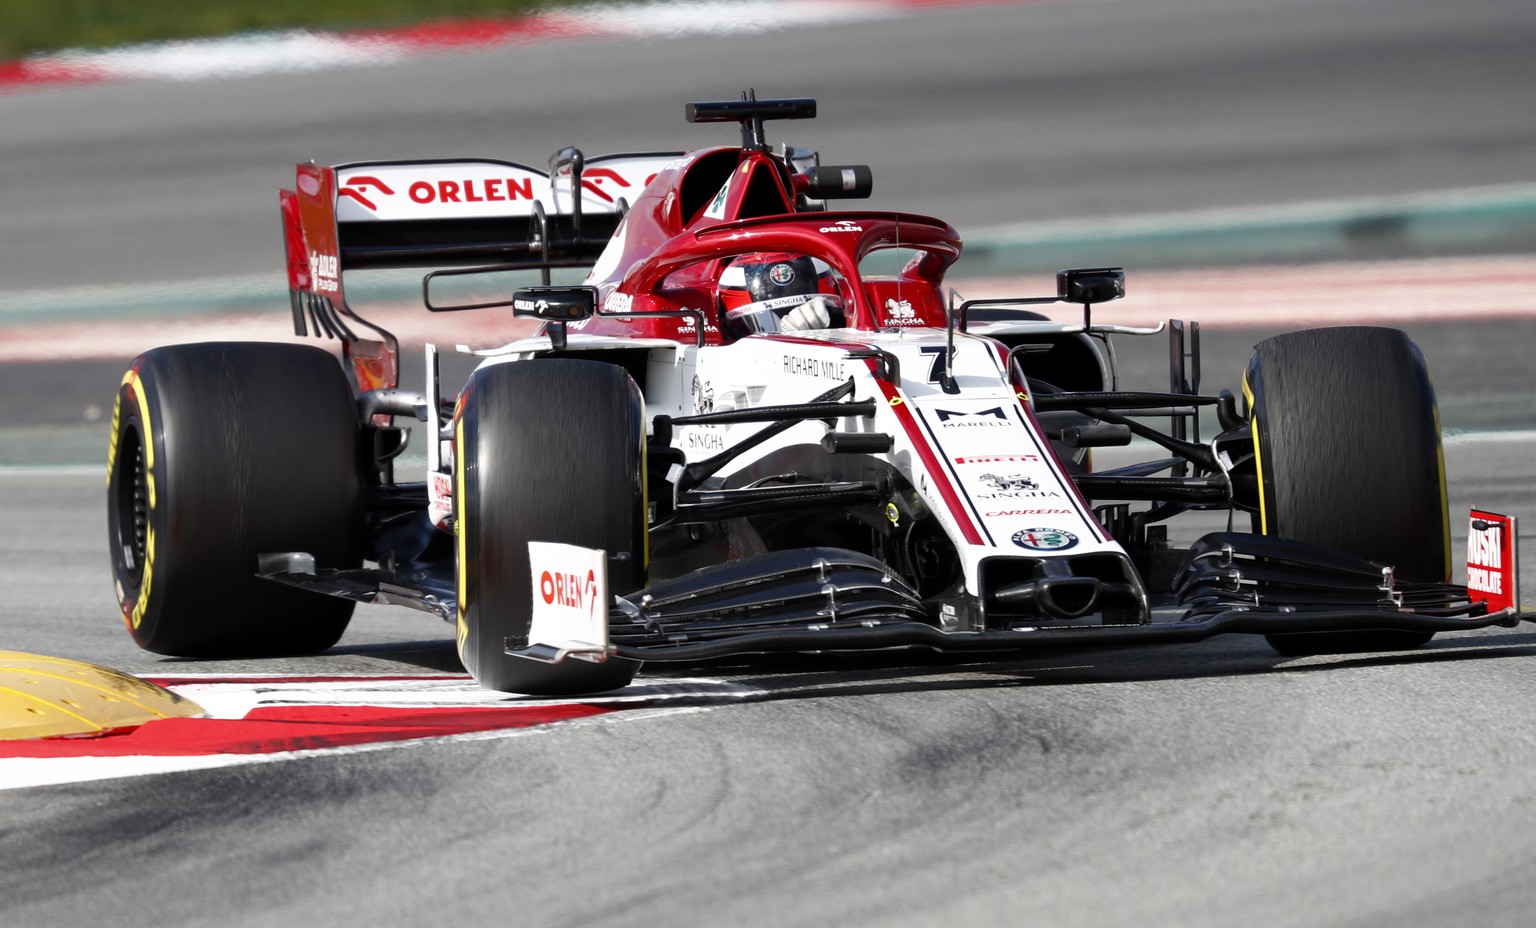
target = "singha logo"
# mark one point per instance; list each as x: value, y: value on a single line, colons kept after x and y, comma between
x: 1014, y: 482
x: 703, y: 397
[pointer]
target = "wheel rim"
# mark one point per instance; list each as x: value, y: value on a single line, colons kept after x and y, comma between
x: 132, y: 482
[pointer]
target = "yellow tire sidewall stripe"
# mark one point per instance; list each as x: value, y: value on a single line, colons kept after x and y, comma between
x: 133, y: 614
x: 1258, y: 459
x: 460, y: 534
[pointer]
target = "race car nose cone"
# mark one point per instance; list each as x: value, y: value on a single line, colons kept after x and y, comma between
x: 49, y: 697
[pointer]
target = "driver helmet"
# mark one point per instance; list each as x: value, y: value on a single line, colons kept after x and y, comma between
x: 779, y: 293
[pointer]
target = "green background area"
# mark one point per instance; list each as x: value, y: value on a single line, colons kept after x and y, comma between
x: 31, y: 26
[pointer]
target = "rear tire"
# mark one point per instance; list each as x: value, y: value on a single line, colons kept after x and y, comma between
x: 547, y: 450
x: 221, y: 452
x: 1348, y: 441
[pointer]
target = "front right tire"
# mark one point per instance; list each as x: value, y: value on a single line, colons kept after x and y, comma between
x: 1347, y: 439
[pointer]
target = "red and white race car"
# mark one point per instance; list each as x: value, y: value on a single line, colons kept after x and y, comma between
x: 757, y: 425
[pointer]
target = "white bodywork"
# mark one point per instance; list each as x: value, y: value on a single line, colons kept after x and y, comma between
x: 483, y: 188
x: 976, y: 457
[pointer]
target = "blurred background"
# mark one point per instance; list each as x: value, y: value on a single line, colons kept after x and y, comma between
x: 36, y: 27
x: 1254, y: 165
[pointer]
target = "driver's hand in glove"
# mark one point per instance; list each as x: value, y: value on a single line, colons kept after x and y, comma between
x: 812, y: 314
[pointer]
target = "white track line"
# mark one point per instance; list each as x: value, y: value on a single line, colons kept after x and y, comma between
x: 24, y: 772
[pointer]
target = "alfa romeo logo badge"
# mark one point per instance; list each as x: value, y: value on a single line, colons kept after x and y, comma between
x: 1044, y: 539
x: 781, y: 274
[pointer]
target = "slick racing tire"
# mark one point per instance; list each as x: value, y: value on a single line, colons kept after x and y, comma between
x: 1348, y: 445
x: 222, y: 452
x: 546, y: 450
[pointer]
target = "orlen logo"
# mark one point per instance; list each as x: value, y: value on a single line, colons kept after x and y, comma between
x: 563, y: 589
x: 365, y: 189
x: 472, y: 190
x: 592, y: 180
x: 363, y: 186
x: 843, y: 225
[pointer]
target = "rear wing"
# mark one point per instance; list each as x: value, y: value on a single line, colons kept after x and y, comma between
x: 435, y: 214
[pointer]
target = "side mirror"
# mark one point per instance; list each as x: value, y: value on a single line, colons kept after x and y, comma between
x: 450, y: 290
x: 1085, y: 285
x: 839, y: 182
x: 555, y: 304
x: 1090, y: 284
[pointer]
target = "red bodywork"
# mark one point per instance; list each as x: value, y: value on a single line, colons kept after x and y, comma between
x: 666, y: 257
x: 689, y: 223
x: 313, y: 254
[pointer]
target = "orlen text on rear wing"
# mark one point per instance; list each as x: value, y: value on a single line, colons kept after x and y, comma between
x: 437, y: 214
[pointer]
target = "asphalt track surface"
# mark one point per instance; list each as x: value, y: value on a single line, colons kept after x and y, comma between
x: 1210, y: 784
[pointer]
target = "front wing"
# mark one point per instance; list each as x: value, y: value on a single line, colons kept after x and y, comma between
x: 821, y: 599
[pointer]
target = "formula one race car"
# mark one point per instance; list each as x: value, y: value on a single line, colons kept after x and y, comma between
x: 757, y: 426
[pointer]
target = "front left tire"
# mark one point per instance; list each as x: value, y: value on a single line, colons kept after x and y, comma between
x: 545, y: 450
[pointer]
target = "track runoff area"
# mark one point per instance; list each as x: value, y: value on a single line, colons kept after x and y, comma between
x: 65, y: 721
